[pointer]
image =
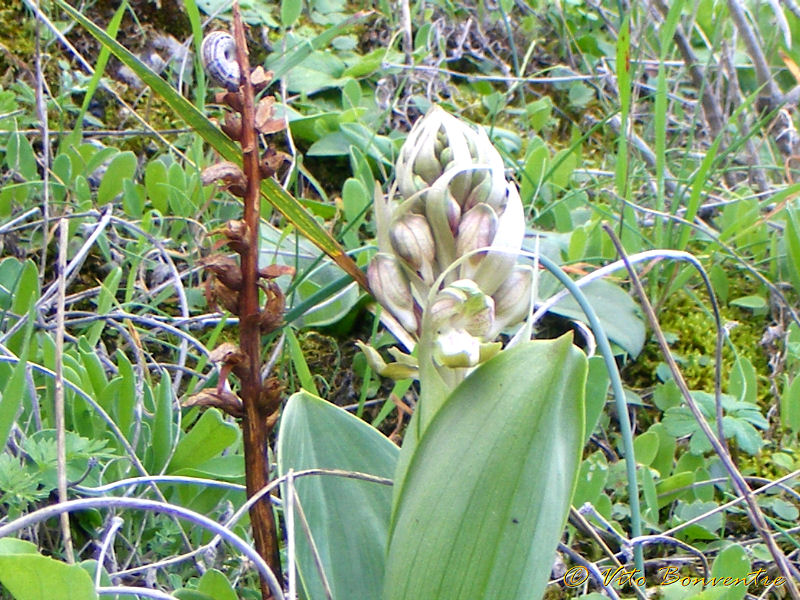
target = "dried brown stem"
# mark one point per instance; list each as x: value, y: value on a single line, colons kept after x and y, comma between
x: 255, y: 431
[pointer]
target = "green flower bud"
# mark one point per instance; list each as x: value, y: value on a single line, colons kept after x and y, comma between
x: 412, y: 240
x: 462, y: 305
x: 391, y: 289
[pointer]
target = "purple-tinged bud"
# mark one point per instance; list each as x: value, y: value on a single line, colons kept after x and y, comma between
x: 498, y: 263
x: 453, y: 215
x: 391, y: 289
x: 476, y: 230
x: 412, y: 240
x: 512, y: 300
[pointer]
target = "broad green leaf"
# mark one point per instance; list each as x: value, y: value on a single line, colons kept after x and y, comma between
x: 367, y: 64
x: 324, y: 294
x: 332, y: 144
x: 719, y: 280
x: 471, y: 520
x: 14, y: 388
x: 728, y: 576
x: 187, y: 594
x: 706, y: 528
x: 349, y: 519
x: 591, y: 479
x: 162, y: 424
x: 646, y: 447
x: 751, y: 302
x: 207, y: 438
x: 673, y: 487
x: 597, y: 382
x: 35, y: 577
x: 615, y: 309
x: 27, y: 288
x: 538, y: 113
x: 297, y: 53
x: 666, y: 450
x: 121, y: 167
x: 155, y: 182
x: 215, y: 584
x: 535, y: 168
x: 732, y: 562
x: 650, y: 495
x: 96, y: 374
x: 320, y: 70
x: 15, y: 546
x: 790, y: 406
x: 742, y: 382
x: 290, y: 10
x: 228, y: 468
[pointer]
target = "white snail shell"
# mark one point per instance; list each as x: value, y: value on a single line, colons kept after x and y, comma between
x: 219, y: 59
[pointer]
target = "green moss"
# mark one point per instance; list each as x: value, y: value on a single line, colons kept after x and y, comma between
x: 16, y: 40
x: 690, y: 328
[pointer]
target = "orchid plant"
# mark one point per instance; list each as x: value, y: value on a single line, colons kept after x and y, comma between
x: 495, y: 425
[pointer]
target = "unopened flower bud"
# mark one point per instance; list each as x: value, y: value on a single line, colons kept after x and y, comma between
x: 512, y: 300
x: 412, y: 240
x: 453, y: 215
x: 390, y: 287
x: 476, y: 230
x: 497, y: 265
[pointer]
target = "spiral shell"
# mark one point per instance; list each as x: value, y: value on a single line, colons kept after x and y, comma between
x: 219, y: 59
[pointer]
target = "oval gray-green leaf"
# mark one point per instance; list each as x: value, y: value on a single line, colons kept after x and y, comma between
x: 487, y: 491
x: 348, y: 518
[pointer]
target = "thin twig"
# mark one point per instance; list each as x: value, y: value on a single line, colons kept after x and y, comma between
x: 108, y: 540
x: 44, y: 129
x: 763, y: 75
x: 58, y: 392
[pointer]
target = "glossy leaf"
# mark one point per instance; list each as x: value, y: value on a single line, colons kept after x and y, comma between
x: 471, y: 518
x: 349, y: 519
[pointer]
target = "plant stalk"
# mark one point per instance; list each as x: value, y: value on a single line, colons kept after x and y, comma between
x: 255, y: 431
